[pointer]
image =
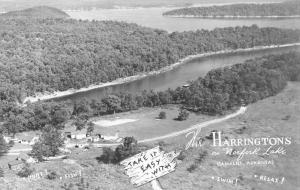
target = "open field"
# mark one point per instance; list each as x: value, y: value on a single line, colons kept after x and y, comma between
x: 273, y: 117
x: 147, y: 125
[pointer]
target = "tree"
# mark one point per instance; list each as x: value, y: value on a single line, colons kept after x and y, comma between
x: 127, y: 149
x: 162, y: 115
x: 108, y: 156
x: 165, y: 97
x: 81, y: 121
x: 128, y: 102
x: 25, y: 171
x: 3, y: 145
x: 48, y: 144
x: 82, y: 107
x: 113, y: 103
x: 60, y: 113
x: 3, y: 149
x: 79, y: 124
x: 14, y: 124
x: 98, y: 107
x: 40, y: 115
x: 90, y: 128
x: 183, y: 115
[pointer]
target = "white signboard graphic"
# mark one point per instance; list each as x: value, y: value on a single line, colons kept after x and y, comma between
x: 149, y: 165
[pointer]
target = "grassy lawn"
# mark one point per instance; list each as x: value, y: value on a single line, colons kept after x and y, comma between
x: 147, y: 125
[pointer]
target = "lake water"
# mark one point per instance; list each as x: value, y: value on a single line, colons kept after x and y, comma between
x: 152, y: 17
x: 178, y: 76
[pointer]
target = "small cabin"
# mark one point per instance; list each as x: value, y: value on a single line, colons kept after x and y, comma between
x: 112, y: 138
x: 29, y: 138
x: 93, y: 139
x: 78, y: 136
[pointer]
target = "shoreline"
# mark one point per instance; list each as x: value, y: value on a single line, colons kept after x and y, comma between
x: 232, y: 17
x: 234, y: 3
x: 117, y: 7
x: 59, y: 94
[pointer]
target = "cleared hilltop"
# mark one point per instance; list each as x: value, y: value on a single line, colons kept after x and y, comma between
x: 37, y: 12
x: 285, y: 9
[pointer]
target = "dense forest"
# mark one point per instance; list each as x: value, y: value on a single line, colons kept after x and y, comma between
x: 38, y: 55
x: 220, y: 90
x: 289, y: 8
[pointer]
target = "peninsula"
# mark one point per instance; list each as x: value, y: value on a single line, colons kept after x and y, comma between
x: 289, y: 9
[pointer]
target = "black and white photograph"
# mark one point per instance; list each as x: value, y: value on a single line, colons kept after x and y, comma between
x: 150, y: 95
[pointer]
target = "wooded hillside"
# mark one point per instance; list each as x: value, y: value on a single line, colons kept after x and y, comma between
x: 38, y: 55
x: 289, y: 8
x: 36, y: 12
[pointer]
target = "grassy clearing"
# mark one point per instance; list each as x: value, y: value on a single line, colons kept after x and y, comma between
x: 148, y: 125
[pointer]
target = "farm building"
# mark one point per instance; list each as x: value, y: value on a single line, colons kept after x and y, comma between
x: 29, y: 138
x: 76, y: 135
x: 95, y: 138
x: 114, y: 138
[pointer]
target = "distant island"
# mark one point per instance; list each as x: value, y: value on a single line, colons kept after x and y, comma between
x: 36, y: 12
x: 289, y: 9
